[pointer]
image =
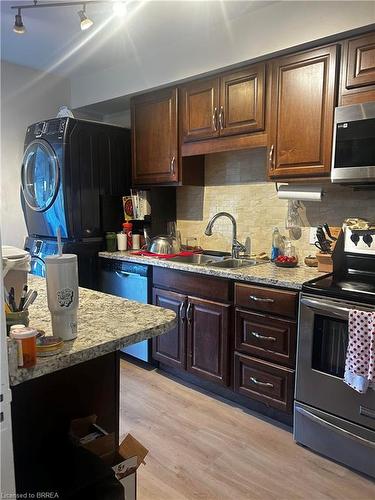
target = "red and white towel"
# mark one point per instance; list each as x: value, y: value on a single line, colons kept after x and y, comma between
x: 360, y: 356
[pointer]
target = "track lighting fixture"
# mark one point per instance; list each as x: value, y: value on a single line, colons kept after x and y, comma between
x: 86, y: 22
x: 19, y: 27
x: 119, y: 9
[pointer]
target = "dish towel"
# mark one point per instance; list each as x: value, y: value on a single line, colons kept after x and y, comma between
x: 360, y: 356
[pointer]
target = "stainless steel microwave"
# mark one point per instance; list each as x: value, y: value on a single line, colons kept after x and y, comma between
x: 353, y: 158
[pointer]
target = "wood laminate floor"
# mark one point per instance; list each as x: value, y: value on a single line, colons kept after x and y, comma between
x: 205, y: 448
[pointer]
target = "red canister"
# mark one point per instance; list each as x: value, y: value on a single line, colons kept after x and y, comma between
x: 128, y: 228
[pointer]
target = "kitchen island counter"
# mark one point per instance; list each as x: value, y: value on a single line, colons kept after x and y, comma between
x: 105, y: 324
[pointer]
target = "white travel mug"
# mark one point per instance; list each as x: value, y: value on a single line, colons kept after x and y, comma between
x: 136, y: 241
x: 62, y: 294
x: 122, y: 242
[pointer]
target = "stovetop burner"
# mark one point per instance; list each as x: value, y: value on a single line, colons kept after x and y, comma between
x: 357, y: 287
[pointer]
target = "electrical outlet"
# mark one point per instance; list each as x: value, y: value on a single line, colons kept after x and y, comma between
x: 313, y: 238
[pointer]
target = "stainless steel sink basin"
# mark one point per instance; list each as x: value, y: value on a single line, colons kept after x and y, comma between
x: 234, y: 263
x: 197, y: 259
x: 208, y: 260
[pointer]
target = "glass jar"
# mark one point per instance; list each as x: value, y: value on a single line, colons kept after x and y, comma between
x: 111, y: 242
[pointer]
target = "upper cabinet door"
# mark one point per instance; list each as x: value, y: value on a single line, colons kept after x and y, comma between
x: 358, y: 70
x: 242, y: 101
x: 200, y: 110
x: 155, y: 138
x: 361, y: 62
x: 303, y: 101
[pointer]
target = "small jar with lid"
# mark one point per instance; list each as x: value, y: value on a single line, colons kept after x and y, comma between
x: 26, y: 340
x: 111, y: 242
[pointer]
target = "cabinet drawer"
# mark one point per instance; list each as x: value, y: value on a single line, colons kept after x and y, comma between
x: 271, y: 384
x: 197, y: 285
x: 269, y: 338
x: 266, y: 299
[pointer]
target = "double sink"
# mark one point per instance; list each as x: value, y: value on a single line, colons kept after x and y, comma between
x: 214, y: 261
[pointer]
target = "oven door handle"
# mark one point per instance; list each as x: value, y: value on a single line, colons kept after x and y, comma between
x: 335, y: 428
x: 327, y: 307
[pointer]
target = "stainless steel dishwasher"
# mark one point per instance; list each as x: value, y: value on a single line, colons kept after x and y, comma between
x: 130, y: 281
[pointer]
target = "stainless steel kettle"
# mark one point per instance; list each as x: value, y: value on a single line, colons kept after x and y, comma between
x: 162, y: 244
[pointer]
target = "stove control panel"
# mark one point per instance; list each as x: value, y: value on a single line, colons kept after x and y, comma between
x: 360, y: 241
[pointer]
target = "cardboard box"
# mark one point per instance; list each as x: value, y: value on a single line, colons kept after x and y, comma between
x: 124, y: 459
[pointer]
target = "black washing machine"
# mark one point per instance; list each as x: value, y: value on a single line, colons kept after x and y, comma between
x: 74, y: 174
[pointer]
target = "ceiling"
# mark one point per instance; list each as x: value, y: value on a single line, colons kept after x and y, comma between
x: 54, y: 41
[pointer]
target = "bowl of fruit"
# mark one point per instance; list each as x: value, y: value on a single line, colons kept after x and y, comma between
x: 286, y: 261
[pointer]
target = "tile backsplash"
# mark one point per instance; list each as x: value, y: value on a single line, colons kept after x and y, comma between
x: 235, y: 182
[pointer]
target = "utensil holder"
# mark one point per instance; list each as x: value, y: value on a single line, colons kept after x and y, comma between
x: 17, y: 318
x: 325, y: 262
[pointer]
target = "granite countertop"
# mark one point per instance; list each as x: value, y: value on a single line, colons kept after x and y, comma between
x: 263, y: 274
x: 105, y: 324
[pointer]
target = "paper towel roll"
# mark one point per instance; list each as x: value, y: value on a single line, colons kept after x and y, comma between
x: 302, y: 193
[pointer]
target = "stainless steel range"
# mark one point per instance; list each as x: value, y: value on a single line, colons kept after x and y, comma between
x: 330, y: 417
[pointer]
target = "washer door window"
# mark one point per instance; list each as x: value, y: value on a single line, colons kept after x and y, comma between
x: 37, y: 266
x: 40, y: 175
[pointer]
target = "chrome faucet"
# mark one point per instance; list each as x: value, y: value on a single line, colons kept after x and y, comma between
x: 237, y: 247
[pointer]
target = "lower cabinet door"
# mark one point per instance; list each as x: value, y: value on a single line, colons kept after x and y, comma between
x: 207, y: 339
x: 266, y: 382
x: 170, y: 348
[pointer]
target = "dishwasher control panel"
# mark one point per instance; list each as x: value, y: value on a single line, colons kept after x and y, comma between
x: 127, y: 267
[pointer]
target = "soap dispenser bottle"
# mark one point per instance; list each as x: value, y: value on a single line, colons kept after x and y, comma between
x: 276, y: 243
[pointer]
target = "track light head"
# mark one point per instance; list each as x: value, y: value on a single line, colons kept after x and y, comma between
x: 86, y: 22
x: 19, y: 27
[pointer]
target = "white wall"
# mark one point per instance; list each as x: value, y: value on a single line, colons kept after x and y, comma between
x: 276, y: 26
x: 27, y: 96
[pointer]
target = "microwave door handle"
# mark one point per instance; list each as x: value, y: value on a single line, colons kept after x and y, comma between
x: 327, y: 307
x: 335, y: 428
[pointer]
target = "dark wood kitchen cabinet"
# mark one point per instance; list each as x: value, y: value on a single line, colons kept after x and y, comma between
x: 302, y: 108
x: 207, y: 339
x: 156, y: 158
x: 242, y: 101
x: 200, y: 342
x: 155, y: 138
x: 227, y: 105
x: 171, y: 347
x: 265, y: 344
x: 230, y: 104
x: 271, y: 384
x: 358, y: 70
x: 200, y: 103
